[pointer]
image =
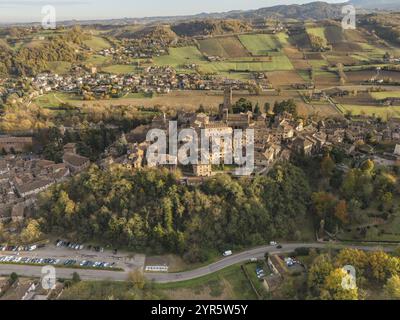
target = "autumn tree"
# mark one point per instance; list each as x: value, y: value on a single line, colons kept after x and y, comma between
x: 392, y: 287
x: 333, y: 288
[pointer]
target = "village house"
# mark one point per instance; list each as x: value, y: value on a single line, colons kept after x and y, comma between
x: 15, y: 144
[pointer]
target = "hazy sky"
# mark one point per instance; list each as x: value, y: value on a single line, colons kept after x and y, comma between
x: 30, y: 10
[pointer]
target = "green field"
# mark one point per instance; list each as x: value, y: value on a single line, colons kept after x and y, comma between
x: 59, y: 67
x: 262, y: 44
x: 319, y: 32
x: 185, y: 55
x: 385, y: 94
x: 177, y: 57
x: 232, y: 277
x: 227, y: 47
x: 381, y: 111
x: 53, y: 100
x: 97, y: 60
x: 97, y: 43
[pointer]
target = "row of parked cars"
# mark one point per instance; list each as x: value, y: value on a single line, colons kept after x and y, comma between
x: 50, y: 261
x: 71, y: 245
x: 26, y: 260
x: 18, y: 248
x: 92, y: 264
x: 78, y: 246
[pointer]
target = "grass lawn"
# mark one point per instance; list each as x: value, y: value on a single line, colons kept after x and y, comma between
x: 97, y: 43
x: 119, y: 68
x: 251, y: 271
x: 232, y: 277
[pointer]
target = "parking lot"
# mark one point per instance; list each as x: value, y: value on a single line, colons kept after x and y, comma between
x: 68, y: 254
x: 57, y: 262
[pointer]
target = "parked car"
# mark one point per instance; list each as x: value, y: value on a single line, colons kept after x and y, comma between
x: 227, y: 253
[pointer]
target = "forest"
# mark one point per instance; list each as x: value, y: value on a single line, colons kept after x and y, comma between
x: 151, y: 208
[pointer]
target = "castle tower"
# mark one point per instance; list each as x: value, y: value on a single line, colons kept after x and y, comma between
x: 228, y: 98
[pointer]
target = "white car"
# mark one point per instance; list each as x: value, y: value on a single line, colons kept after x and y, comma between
x: 227, y: 253
x: 273, y: 243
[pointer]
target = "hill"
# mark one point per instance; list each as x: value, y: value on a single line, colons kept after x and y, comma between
x: 138, y: 32
x: 210, y: 27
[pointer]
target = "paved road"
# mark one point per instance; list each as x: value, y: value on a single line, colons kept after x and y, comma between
x: 30, y: 271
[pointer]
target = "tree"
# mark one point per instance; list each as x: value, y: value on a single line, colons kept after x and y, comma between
x: 257, y: 109
x: 76, y: 278
x: 378, y: 265
x: 13, y: 277
x: 392, y: 287
x: 327, y: 166
x: 319, y: 270
x: 333, y: 288
x: 341, y: 212
x: 356, y: 258
x: 368, y: 166
x: 267, y: 107
x: 31, y: 232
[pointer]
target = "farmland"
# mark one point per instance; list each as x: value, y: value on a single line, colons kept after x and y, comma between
x: 319, y: 32
x: 178, y: 57
x: 385, y: 94
x: 119, y: 68
x: 262, y: 44
x: 381, y: 111
x: 227, y: 47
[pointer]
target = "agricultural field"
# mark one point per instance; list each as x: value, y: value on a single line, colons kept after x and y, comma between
x: 60, y: 67
x: 385, y: 94
x: 264, y: 44
x: 119, y: 69
x: 227, y: 47
x: 319, y: 32
x: 260, y: 44
x: 180, y: 56
x: 97, y: 60
x: 384, y: 112
x: 53, y: 100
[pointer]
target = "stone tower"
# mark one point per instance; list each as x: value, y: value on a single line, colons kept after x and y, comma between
x: 228, y: 98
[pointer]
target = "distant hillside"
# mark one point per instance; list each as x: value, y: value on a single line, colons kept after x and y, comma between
x: 385, y: 25
x: 377, y: 4
x: 210, y: 27
x: 135, y: 32
x: 313, y: 10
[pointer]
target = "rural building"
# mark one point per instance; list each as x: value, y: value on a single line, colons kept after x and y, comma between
x: 17, y: 144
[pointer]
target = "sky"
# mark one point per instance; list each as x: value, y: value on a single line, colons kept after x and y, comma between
x: 31, y: 10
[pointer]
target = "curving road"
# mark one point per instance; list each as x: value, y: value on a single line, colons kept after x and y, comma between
x: 31, y: 271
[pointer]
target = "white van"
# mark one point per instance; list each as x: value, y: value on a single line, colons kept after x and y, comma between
x: 228, y: 253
